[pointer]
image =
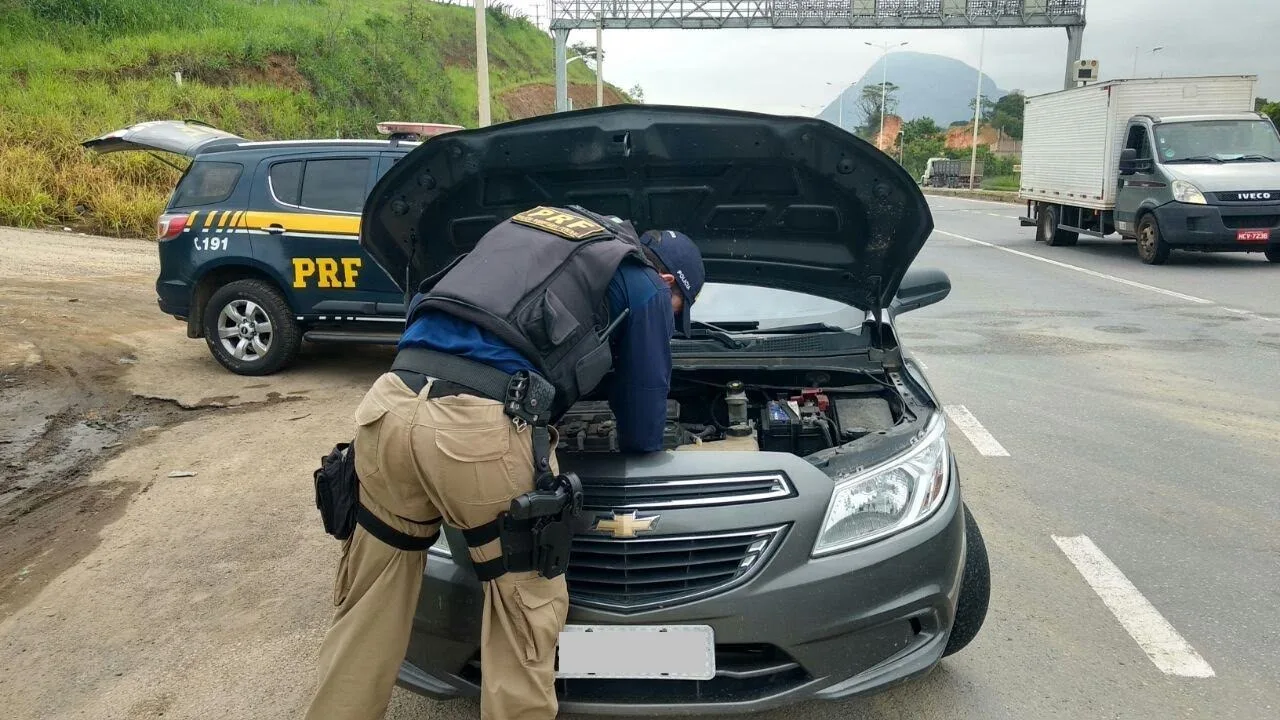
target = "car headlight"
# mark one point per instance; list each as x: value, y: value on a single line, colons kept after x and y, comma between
x: 871, y: 504
x: 1185, y: 192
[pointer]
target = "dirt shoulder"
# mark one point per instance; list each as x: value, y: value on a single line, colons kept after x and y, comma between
x: 124, y: 592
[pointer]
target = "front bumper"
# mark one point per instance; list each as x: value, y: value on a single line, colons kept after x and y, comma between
x: 1215, y: 227
x: 872, y: 617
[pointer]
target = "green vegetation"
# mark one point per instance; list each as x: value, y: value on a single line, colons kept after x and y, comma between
x: 1269, y: 108
x: 74, y: 69
x: 874, y: 101
x: 1000, y: 182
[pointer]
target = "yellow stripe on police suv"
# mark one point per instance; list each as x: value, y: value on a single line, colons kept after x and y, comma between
x: 235, y: 219
x: 191, y: 218
x: 222, y: 221
x: 305, y: 222
x: 209, y: 220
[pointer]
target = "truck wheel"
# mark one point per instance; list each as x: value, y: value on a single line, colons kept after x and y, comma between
x: 975, y: 589
x: 249, y: 329
x: 1152, y: 249
x: 1047, y: 228
x: 1273, y: 254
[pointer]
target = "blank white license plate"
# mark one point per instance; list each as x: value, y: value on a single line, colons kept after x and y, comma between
x: 653, y: 652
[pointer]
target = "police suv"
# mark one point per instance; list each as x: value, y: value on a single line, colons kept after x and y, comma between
x: 259, y: 241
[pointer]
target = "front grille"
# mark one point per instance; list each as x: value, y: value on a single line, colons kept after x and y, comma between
x: 630, y: 575
x: 743, y: 673
x: 683, y: 492
x: 1251, y: 222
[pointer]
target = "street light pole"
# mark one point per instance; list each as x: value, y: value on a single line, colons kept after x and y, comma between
x: 600, y: 58
x: 1136, y: 51
x: 977, y: 110
x: 884, y: 81
x: 482, y: 64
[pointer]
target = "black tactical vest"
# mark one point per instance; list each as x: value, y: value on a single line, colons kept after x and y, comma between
x: 538, y: 282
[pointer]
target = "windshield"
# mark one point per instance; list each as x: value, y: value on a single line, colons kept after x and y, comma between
x: 753, y: 308
x: 1220, y: 140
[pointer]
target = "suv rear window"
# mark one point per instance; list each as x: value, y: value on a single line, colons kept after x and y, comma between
x: 338, y: 184
x: 206, y: 183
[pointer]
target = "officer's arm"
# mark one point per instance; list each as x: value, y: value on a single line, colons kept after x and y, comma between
x: 642, y: 374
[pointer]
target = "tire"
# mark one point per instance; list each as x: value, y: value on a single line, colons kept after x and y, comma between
x: 1273, y: 254
x: 1047, y: 230
x: 1152, y: 249
x: 975, y: 589
x: 239, y: 310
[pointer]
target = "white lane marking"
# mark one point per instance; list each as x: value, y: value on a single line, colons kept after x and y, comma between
x: 1157, y: 638
x: 1238, y: 311
x: 1086, y: 271
x: 975, y: 200
x: 972, y: 429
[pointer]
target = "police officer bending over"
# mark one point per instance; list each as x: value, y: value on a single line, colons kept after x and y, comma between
x: 497, y: 346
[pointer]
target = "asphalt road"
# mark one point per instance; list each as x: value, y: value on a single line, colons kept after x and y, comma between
x: 1130, y: 405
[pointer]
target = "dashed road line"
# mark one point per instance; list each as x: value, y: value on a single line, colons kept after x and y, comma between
x: 982, y: 440
x: 1077, y: 268
x: 1158, y: 639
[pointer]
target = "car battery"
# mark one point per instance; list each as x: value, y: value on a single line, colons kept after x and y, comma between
x: 787, y: 427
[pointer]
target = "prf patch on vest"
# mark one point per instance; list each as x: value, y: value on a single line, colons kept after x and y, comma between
x: 558, y: 222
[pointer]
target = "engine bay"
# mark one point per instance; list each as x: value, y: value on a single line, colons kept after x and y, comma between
x: 746, y: 412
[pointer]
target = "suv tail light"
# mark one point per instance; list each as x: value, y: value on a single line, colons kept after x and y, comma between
x: 170, y: 225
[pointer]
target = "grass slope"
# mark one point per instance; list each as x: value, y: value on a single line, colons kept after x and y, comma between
x: 73, y: 69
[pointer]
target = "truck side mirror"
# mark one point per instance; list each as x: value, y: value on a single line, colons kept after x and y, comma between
x: 1128, y: 161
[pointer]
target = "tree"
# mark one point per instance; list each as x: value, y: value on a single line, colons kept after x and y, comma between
x: 1269, y: 108
x: 869, y: 105
x: 920, y: 128
x: 588, y: 52
x: 1006, y: 114
x: 637, y: 93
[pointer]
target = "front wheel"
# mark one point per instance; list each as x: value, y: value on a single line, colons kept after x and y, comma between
x: 1152, y: 249
x: 975, y: 589
x: 249, y: 329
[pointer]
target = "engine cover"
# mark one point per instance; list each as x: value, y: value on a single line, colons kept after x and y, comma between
x: 592, y: 427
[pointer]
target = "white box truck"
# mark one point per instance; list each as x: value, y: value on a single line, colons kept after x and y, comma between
x: 1174, y: 163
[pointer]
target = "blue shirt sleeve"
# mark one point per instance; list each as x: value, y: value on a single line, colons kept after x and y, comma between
x: 642, y: 357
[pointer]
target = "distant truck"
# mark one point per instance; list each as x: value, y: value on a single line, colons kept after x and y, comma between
x: 1173, y: 163
x: 945, y: 172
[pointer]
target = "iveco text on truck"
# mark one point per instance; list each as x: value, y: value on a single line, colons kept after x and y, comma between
x: 1174, y: 163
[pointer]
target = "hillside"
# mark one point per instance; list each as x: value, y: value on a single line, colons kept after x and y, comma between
x: 73, y: 69
x: 932, y: 86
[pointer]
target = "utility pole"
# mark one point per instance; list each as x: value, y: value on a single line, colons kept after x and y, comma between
x: 977, y: 109
x: 884, y: 82
x: 600, y: 57
x: 482, y: 64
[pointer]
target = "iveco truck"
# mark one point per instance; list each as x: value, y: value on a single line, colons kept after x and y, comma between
x: 1173, y: 163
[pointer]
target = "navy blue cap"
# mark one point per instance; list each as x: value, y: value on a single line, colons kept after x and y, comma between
x: 681, y: 257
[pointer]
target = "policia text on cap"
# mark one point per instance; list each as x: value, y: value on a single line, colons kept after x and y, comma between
x: 497, y: 346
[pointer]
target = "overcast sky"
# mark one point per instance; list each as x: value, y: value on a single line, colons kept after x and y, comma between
x: 788, y: 71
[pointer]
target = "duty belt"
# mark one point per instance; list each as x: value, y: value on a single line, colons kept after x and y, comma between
x: 536, y: 531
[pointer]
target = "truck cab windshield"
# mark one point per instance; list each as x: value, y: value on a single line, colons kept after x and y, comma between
x: 1217, y: 141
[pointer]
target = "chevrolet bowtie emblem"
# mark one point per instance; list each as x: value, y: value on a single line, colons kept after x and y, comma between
x: 624, y: 525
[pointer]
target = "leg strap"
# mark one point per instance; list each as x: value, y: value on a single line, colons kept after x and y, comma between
x: 392, y: 536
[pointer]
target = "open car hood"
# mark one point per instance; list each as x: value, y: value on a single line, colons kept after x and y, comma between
x: 786, y: 202
x: 181, y: 137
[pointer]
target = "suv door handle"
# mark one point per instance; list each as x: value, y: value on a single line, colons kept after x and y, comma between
x: 274, y: 228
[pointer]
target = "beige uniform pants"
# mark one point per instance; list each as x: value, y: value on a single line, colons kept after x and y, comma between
x: 457, y: 457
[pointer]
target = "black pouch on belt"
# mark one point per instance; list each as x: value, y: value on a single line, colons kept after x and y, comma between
x: 338, y: 490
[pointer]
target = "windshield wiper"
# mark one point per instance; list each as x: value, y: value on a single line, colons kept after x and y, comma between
x: 814, y: 327
x: 699, y: 330
x: 1253, y: 156
x: 1194, y: 158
